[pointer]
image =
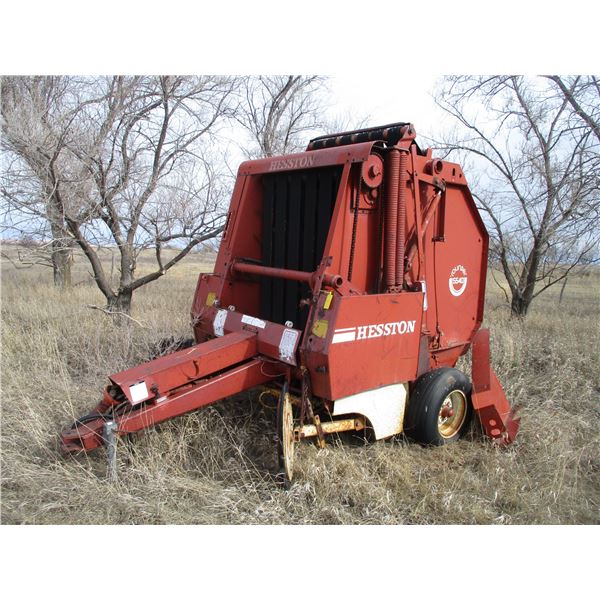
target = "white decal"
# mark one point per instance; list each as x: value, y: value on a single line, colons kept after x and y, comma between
x: 344, y: 335
x: 139, y: 392
x: 365, y: 332
x: 219, y: 322
x: 253, y: 321
x: 424, y: 289
x: 458, y: 280
x: 287, y: 345
x: 292, y: 162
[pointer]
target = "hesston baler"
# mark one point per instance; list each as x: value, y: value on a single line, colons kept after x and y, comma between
x: 349, y: 281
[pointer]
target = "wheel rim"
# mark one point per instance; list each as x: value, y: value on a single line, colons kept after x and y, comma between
x: 453, y: 412
x: 286, y: 437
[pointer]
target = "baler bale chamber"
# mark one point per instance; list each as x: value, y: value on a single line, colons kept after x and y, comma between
x: 351, y: 278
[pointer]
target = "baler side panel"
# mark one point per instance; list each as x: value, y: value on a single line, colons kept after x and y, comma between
x: 244, y: 241
x: 458, y: 263
x: 369, y: 341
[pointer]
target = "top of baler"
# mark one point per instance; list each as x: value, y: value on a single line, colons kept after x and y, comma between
x: 391, y: 134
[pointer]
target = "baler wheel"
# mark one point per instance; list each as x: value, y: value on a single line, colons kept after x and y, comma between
x: 439, y: 408
x: 285, y: 437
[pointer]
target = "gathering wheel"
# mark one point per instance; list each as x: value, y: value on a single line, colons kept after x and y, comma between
x: 285, y: 437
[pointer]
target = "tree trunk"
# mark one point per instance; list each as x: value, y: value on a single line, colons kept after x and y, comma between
x: 62, y: 254
x: 522, y: 294
x: 519, y: 305
x: 120, y: 306
x: 62, y: 257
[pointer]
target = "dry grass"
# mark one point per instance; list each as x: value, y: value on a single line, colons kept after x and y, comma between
x: 213, y: 466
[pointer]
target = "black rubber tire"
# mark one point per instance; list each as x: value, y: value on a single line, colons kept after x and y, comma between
x: 425, y: 402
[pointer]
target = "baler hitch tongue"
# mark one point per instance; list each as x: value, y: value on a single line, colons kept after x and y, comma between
x: 489, y: 400
x: 86, y: 432
x: 176, y: 384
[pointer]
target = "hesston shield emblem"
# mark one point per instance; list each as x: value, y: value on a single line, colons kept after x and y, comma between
x: 458, y: 280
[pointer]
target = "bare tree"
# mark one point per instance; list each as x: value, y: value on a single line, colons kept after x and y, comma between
x: 134, y: 172
x: 583, y: 95
x: 538, y: 184
x: 36, y: 115
x: 280, y: 111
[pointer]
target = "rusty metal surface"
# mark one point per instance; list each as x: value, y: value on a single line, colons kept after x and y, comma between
x: 401, y: 219
x: 355, y: 153
x: 328, y: 427
x: 167, y: 373
x: 480, y: 361
x: 489, y: 400
x: 201, y: 393
x: 330, y: 280
x: 273, y: 340
x: 372, y: 171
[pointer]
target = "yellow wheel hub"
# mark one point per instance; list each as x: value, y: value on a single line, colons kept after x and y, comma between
x: 453, y: 412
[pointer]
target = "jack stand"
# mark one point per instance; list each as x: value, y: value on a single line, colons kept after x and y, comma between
x: 111, y: 449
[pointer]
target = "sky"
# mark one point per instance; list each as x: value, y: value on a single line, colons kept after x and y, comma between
x: 383, y: 58
x: 400, y: 99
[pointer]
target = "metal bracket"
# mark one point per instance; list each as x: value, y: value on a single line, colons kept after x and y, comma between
x: 489, y: 401
x: 307, y: 410
x: 320, y: 433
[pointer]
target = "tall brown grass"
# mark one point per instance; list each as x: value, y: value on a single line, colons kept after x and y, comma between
x: 215, y: 465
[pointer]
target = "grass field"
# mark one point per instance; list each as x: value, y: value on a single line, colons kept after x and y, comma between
x: 215, y: 466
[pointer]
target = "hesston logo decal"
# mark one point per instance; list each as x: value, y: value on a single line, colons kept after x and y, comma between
x: 458, y: 280
x: 299, y: 162
x: 365, y: 332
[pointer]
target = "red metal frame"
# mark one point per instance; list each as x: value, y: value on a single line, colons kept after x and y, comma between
x: 399, y: 290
